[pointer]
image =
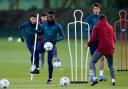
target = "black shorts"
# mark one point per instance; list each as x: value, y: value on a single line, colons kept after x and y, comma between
x: 93, y: 47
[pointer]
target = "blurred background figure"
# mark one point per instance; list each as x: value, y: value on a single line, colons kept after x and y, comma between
x: 43, y: 19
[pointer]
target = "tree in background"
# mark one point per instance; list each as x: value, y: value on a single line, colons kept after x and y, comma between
x: 46, y: 3
x: 14, y: 4
x: 122, y: 3
x: 71, y: 3
x: 117, y: 4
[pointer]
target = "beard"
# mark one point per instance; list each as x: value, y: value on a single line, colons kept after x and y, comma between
x: 33, y: 24
x: 51, y: 22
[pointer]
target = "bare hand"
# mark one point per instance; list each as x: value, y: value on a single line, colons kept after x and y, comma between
x: 86, y: 46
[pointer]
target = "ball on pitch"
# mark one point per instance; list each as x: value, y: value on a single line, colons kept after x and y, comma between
x: 4, y: 83
x: 48, y: 46
x: 57, y: 64
x: 64, y: 81
x: 19, y: 40
x: 10, y: 39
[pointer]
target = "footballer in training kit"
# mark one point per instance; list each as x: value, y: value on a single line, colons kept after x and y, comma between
x: 92, y: 20
x: 52, y: 32
x: 28, y: 28
x: 103, y: 32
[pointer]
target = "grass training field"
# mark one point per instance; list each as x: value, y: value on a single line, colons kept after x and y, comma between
x: 15, y: 66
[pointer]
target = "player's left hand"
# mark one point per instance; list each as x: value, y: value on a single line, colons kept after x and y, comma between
x: 85, y: 46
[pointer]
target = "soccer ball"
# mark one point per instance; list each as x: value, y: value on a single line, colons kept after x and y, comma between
x: 10, y: 39
x: 57, y: 64
x: 48, y: 46
x: 4, y: 83
x: 64, y: 81
x: 19, y: 40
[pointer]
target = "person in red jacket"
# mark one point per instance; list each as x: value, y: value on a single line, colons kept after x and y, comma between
x: 104, y: 33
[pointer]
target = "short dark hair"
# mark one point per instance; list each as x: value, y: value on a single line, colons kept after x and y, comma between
x: 32, y: 15
x: 43, y: 14
x: 102, y: 16
x: 51, y: 12
x: 96, y: 5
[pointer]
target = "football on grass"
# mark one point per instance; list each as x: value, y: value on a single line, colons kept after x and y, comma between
x: 57, y: 64
x: 4, y: 83
x: 10, y: 39
x: 64, y: 81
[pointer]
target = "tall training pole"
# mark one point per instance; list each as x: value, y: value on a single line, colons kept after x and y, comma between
x: 33, y: 59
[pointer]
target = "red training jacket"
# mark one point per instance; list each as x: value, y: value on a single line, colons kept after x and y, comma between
x: 104, y: 33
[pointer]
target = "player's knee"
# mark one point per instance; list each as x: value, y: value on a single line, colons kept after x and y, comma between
x: 90, y: 64
x: 102, y: 58
x: 49, y: 62
x: 109, y: 66
x: 92, y: 61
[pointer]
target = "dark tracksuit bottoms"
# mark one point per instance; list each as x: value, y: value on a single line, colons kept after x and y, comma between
x: 96, y: 57
x: 40, y: 49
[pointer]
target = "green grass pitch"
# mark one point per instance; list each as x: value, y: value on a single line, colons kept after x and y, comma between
x: 15, y: 66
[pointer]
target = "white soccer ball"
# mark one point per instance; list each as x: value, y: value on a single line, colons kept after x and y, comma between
x: 64, y: 81
x: 10, y: 39
x: 19, y: 40
x: 4, y: 83
x: 48, y: 46
x: 57, y: 64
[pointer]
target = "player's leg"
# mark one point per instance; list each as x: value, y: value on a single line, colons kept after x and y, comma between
x: 55, y: 52
x: 57, y: 62
x: 101, y: 65
x: 36, y: 71
x: 101, y: 69
x: 36, y: 62
x: 91, y: 71
x: 50, y: 65
x: 39, y: 49
x: 55, y: 57
x: 30, y: 48
x: 111, y: 69
x: 42, y: 58
x: 92, y: 50
x: 93, y: 61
